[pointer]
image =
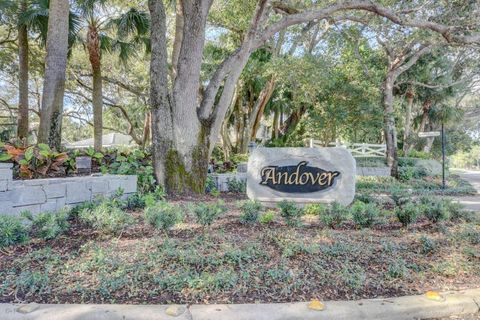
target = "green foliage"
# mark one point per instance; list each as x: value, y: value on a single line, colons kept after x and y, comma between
x: 37, y: 161
x: 316, y: 209
x: 419, y: 154
x: 106, y: 217
x: 163, y: 215
x: 267, y: 217
x: 236, y: 185
x: 206, y: 213
x: 250, y: 211
x: 407, y: 213
x: 32, y: 281
x: 427, y: 245
x: 12, y: 231
x: 135, y: 201
x: 364, y: 215
x: 290, y: 212
x: 436, y: 211
x: 397, y: 269
x: 210, y: 185
x: 335, y: 215
x: 399, y: 196
x: 48, y: 225
x: 136, y: 161
x: 150, y: 198
x: 471, y: 234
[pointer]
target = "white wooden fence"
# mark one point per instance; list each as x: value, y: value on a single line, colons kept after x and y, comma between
x: 357, y: 149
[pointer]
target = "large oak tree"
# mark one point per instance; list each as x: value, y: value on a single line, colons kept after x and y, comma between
x: 187, y: 114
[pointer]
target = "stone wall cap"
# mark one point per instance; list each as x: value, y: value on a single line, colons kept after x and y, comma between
x: 6, y: 165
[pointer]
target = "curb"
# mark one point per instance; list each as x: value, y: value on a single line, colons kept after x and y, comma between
x: 408, y: 307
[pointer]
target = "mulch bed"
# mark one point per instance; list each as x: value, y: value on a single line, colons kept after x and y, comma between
x: 235, y: 263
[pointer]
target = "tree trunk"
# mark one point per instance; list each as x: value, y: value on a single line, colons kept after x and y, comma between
x: 275, y: 125
x: 22, y: 124
x: 426, y: 109
x: 147, y: 125
x: 50, y: 128
x: 259, y: 108
x: 408, y: 121
x: 93, y: 46
x: 292, y: 121
x: 389, y: 123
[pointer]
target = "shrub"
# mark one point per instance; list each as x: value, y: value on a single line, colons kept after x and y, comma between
x: 210, y: 185
x: 471, y: 234
x: 236, y: 185
x: 250, y: 211
x: 106, y: 217
x: 407, y: 214
x: 135, y: 201
x: 314, y: 209
x: 457, y: 212
x: 399, y: 196
x: 290, y: 212
x: 335, y: 215
x: 163, y: 215
x: 427, y: 245
x: 365, y: 198
x: 437, y: 211
x: 397, y: 269
x: 206, y: 213
x: 267, y: 217
x: 48, y: 225
x: 12, y: 231
x: 364, y: 215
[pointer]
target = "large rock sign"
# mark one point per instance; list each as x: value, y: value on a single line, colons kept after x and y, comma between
x: 302, y: 175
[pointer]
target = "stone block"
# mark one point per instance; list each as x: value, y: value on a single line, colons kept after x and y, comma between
x: 99, y: 185
x: 77, y: 192
x: 60, y: 203
x: 127, y: 183
x: 3, y: 185
x: 24, y: 196
x: 242, y: 167
x: 302, y: 175
x: 6, y: 174
x: 35, y: 182
x: 33, y: 209
x: 55, y: 190
x: 49, y: 206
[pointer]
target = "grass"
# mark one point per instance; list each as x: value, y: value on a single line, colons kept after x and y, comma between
x: 236, y: 262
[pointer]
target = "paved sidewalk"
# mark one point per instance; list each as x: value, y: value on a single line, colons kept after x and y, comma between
x: 470, y: 202
x: 408, y: 307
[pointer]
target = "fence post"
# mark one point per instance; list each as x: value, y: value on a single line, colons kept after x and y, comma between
x: 311, y: 143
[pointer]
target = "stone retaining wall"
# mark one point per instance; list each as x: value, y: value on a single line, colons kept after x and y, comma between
x: 221, y: 179
x: 373, y: 171
x: 40, y: 195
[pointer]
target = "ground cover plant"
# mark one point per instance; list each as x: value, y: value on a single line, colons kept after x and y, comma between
x: 366, y: 253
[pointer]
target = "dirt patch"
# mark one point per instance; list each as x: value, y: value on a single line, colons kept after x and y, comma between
x: 235, y: 263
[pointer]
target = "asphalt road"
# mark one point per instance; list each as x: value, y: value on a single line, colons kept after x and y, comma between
x: 470, y: 202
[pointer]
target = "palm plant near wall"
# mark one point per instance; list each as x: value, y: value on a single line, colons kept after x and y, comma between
x: 132, y: 28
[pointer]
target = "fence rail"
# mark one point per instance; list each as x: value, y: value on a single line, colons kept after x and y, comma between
x: 357, y: 149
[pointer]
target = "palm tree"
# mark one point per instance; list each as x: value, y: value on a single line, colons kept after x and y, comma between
x: 98, y: 23
x: 33, y: 16
x: 50, y: 129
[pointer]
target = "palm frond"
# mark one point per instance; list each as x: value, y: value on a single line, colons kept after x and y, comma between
x: 106, y: 42
x: 124, y: 49
x: 87, y: 8
x: 131, y: 22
